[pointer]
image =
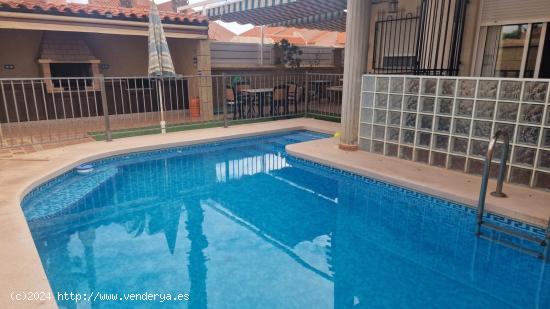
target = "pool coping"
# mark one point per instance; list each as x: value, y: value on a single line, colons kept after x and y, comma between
x: 21, y: 267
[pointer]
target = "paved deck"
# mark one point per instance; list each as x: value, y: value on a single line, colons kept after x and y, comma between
x: 20, y: 266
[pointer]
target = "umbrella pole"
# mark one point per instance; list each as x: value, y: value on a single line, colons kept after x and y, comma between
x: 1, y: 136
x: 161, y: 107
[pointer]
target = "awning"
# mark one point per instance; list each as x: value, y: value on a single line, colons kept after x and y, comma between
x: 312, y: 14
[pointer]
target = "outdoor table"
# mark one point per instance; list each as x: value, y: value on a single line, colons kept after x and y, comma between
x: 336, y: 93
x: 319, y: 87
x: 260, y: 94
x: 336, y: 88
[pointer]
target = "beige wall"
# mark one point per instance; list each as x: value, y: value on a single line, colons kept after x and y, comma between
x: 21, y: 49
x: 125, y: 55
x: 183, y: 51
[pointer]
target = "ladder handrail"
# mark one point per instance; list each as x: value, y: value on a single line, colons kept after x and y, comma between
x: 486, y: 171
x: 546, y: 244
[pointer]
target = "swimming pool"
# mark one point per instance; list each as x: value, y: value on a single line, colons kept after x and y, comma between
x: 239, y: 224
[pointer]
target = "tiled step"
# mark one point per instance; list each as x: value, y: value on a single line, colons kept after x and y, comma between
x: 69, y: 194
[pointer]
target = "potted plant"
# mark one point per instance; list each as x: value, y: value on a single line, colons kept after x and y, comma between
x: 287, y: 54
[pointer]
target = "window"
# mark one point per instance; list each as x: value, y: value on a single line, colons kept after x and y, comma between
x: 514, y: 50
x: 532, y: 51
x: 65, y: 76
x: 510, y: 51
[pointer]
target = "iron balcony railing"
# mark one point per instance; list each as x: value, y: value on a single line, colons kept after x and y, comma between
x: 425, y: 42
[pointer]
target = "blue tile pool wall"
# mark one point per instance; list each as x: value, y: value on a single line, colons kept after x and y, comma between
x: 448, y: 121
x: 176, y: 151
x: 440, y: 205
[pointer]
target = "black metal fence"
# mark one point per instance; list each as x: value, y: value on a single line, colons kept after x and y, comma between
x: 426, y: 42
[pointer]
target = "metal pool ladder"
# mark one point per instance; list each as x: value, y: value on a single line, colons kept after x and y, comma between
x: 544, y: 243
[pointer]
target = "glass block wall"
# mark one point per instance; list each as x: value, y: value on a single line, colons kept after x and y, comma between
x: 448, y: 122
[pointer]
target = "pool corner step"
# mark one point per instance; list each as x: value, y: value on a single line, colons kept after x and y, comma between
x: 63, y: 200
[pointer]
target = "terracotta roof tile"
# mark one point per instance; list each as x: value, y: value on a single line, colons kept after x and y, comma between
x: 165, y: 6
x: 255, y: 32
x: 217, y: 32
x: 102, y: 9
x: 291, y: 40
x: 299, y: 36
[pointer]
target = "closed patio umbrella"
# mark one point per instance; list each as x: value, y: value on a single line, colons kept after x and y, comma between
x: 160, y: 62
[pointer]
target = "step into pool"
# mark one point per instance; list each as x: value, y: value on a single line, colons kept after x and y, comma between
x: 241, y: 224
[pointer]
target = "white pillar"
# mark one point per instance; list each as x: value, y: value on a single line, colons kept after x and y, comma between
x: 355, y: 65
x: 262, y: 36
x: 1, y: 136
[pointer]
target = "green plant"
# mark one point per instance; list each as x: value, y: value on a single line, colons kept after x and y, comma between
x: 288, y: 54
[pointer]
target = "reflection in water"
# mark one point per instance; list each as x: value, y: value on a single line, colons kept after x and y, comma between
x: 341, y: 261
x: 87, y: 238
x: 247, y: 225
x: 197, y: 259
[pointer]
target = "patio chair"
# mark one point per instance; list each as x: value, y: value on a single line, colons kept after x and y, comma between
x: 243, y: 99
x: 279, y: 99
x: 292, y: 98
x: 234, y: 106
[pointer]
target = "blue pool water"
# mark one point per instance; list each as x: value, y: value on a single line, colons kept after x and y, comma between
x: 240, y: 224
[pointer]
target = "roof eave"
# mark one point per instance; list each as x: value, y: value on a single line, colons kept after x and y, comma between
x: 33, y: 21
x: 104, y: 13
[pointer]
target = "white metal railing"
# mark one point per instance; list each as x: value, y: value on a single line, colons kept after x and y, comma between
x: 448, y: 122
x: 51, y: 110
